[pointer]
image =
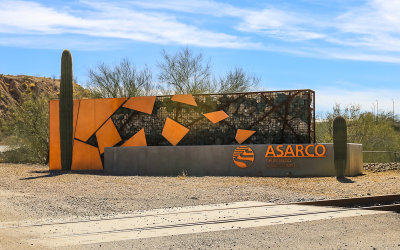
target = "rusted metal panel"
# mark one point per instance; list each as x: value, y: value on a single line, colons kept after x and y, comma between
x: 85, y: 157
x: 143, y: 104
x: 187, y: 99
x: 93, y: 113
x: 107, y: 136
x: 243, y: 134
x: 173, y: 131
x: 216, y: 116
x: 139, y: 139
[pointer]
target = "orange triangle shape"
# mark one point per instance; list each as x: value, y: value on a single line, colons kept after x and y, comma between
x: 242, y: 135
x: 93, y: 113
x: 187, y: 99
x: 143, y: 104
x: 138, y: 139
x: 216, y: 116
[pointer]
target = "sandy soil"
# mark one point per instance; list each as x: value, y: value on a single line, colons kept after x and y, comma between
x: 31, y: 191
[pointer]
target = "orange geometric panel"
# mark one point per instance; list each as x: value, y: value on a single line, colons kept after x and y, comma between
x: 85, y: 157
x: 138, y: 139
x: 93, y: 113
x: 173, y: 131
x: 54, y: 133
x: 143, y: 104
x: 107, y: 135
x: 242, y: 135
x: 216, y: 116
x: 188, y: 99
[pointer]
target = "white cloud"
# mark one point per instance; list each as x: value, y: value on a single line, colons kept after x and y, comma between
x: 369, y: 32
x: 375, y: 25
x: 205, y: 7
x: 114, y: 21
x: 326, y: 97
x: 270, y: 21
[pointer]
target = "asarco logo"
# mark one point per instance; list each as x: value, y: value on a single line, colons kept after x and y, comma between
x: 298, y: 150
x: 243, y: 156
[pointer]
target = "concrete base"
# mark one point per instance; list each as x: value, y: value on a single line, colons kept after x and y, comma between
x: 218, y: 161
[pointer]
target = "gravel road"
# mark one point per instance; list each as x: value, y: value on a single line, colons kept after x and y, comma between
x: 29, y: 192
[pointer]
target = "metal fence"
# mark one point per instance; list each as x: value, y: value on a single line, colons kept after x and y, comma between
x: 380, y: 156
x: 276, y: 116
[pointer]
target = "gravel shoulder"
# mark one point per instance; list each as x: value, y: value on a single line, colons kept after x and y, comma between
x: 362, y: 232
x: 32, y: 192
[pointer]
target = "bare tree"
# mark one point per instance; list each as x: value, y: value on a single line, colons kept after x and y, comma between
x: 237, y: 81
x: 184, y: 72
x: 122, y: 80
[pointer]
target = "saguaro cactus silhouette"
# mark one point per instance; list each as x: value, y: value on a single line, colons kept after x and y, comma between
x: 66, y: 110
x: 340, y: 145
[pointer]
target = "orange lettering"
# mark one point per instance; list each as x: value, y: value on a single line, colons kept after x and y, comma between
x: 307, y: 153
x: 279, y: 150
x: 323, y: 150
x: 299, y: 149
x: 270, y: 150
x: 289, y: 151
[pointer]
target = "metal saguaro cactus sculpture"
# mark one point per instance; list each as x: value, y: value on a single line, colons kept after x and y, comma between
x: 66, y: 110
x: 340, y: 145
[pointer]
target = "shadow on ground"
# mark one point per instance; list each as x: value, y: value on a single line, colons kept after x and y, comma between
x: 49, y: 173
x: 344, y: 180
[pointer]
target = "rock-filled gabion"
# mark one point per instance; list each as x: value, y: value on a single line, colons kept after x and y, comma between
x: 278, y: 117
x: 381, y: 167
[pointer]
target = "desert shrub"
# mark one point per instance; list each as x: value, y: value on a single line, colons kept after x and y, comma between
x: 27, y: 131
x: 376, y: 133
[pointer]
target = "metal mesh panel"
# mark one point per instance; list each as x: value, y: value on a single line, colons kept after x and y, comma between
x: 276, y: 116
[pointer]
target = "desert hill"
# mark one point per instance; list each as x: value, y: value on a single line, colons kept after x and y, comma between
x: 13, y: 88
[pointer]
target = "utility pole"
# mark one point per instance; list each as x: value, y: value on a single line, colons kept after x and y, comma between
x: 377, y: 110
x: 373, y: 111
x: 393, y: 110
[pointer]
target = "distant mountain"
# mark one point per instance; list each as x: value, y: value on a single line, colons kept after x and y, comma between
x: 12, y: 89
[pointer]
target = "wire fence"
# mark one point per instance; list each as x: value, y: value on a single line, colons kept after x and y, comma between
x: 380, y: 156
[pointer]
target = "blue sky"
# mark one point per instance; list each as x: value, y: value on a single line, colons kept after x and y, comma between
x: 348, y: 51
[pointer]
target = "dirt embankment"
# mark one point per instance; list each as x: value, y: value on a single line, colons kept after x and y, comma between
x: 13, y: 88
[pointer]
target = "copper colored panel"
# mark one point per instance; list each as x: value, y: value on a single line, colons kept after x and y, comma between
x: 77, y: 104
x: 188, y: 99
x: 242, y: 135
x: 54, y: 133
x: 107, y: 135
x: 173, y: 131
x: 85, y: 157
x: 54, y: 137
x: 216, y: 116
x: 93, y: 113
x: 143, y: 104
x: 138, y: 139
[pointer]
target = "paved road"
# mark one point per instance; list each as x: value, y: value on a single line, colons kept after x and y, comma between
x: 233, y: 225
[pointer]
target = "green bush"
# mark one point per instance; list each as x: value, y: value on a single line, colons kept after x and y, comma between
x: 27, y: 131
x: 376, y: 133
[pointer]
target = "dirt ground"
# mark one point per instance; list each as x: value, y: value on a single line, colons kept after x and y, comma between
x: 32, y: 192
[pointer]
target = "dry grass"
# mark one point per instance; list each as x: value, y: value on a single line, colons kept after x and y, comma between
x: 183, y: 175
